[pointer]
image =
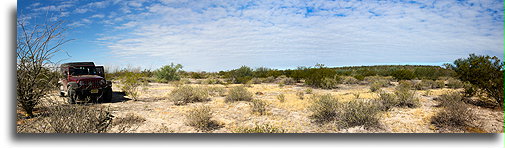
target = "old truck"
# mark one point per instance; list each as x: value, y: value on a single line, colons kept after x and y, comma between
x: 83, y: 81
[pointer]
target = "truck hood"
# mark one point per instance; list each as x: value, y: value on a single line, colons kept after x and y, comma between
x: 85, y: 77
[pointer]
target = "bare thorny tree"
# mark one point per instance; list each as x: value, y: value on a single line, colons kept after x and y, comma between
x: 36, y: 73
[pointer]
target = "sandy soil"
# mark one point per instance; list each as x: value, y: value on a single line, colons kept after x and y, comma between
x: 162, y: 116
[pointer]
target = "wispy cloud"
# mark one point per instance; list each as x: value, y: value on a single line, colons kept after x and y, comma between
x: 217, y: 35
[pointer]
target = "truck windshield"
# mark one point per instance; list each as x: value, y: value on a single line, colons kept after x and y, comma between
x: 83, y: 70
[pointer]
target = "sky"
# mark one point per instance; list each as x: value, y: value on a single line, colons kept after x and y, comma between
x: 214, y: 35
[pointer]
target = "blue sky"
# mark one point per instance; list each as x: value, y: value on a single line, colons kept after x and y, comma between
x: 221, y: 35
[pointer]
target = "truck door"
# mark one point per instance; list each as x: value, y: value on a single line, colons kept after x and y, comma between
x: 100, y: 71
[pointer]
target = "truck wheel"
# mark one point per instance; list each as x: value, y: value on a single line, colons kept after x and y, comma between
x: 107, y: 95
x: 72, y: 96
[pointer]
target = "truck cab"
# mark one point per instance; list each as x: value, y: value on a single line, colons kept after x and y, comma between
x: 83, y: 81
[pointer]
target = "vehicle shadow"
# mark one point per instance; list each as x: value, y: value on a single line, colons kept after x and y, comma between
x: 119, y: 97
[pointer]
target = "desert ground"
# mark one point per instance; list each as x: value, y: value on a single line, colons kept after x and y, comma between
x: 161, y: 115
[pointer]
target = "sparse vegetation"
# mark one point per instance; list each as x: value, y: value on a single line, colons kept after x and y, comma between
x: 239, y: 93
x: 130, y: 122
x: 387, y: 101
x: 281, y: 98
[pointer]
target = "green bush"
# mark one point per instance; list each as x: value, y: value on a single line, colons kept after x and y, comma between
x: 238, y: 93
x: 200, y: 118
x: 358, y: 113
x: 188, y: 94
x: 439, y: 84
x: 349, y: 80
x: 256, y: 81
x: 169, y: 72
x: 309, y: 91
x: 328, y: 83
x: 258, y: 106
x: 470, y: 90
x: 264, y: 128
x: 484, y: 72
x: 403, y: 74
x: 324, y: 108
x: 132, y: 83
x: 242, y: 75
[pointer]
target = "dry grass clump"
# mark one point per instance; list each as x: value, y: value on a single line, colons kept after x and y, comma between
x: 258, y: 106
x: 188, y: 94
x: 309, y: 90
x: 256, y: 81
x: 216, y: 91
x: 349, y: 80
x: 130, y: 122
x: 238, y: 93
x: 212, y: 81
x: 263, y: 128
x: 455, y: 113
x: 200, y: 118
x: 454, y: 83
x: 406, y: 97
x: 283, y: 80
x: 324, y: 108
x: 358, y: 113
x: 375, y: 86
x: 300, y: 95
x: 387, y: 101
x: 70, y: 119
x: 281, y: 97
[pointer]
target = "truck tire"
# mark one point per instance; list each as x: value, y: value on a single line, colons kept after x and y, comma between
x: 72, y: 95
x: 107, y: 95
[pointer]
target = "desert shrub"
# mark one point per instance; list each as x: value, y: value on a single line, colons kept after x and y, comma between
x: 200, y: 118
x: 403, y: 74
x: 71, y: 119
x: 132, y: 84
x: 285, y: 80
x: 309, y: 91
x: 454, y: 83
x: 258, y: 106
x: 439, y: 84
x: 358, y: 113
x: 315, y: 77
x: 375, y: 86
x: 269, y: 79
x: 484, y: 72
x: 404, y: 84
x: 359, y: 77
x: 324, y: 108
x: 328, y: 83
x: 455, y: 113
x: 300, y: 95
x: 188, y: 94
x: 242, y: 75
x: 130, y: 122
x: 470, y: 89
x: 212, y: 81
x: 349, y: 80
x: 169, y: 72
x: 263, y: 128
x: 281, y: 98
x: 387, y: 101
x: 239, y: 93
x: 406, y: 97
x: 256, y: 81
x: 216, y: 91
x: 449, y: 98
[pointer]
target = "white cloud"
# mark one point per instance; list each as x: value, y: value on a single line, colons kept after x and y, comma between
x: 214, y: 35
x: 98, y: 16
